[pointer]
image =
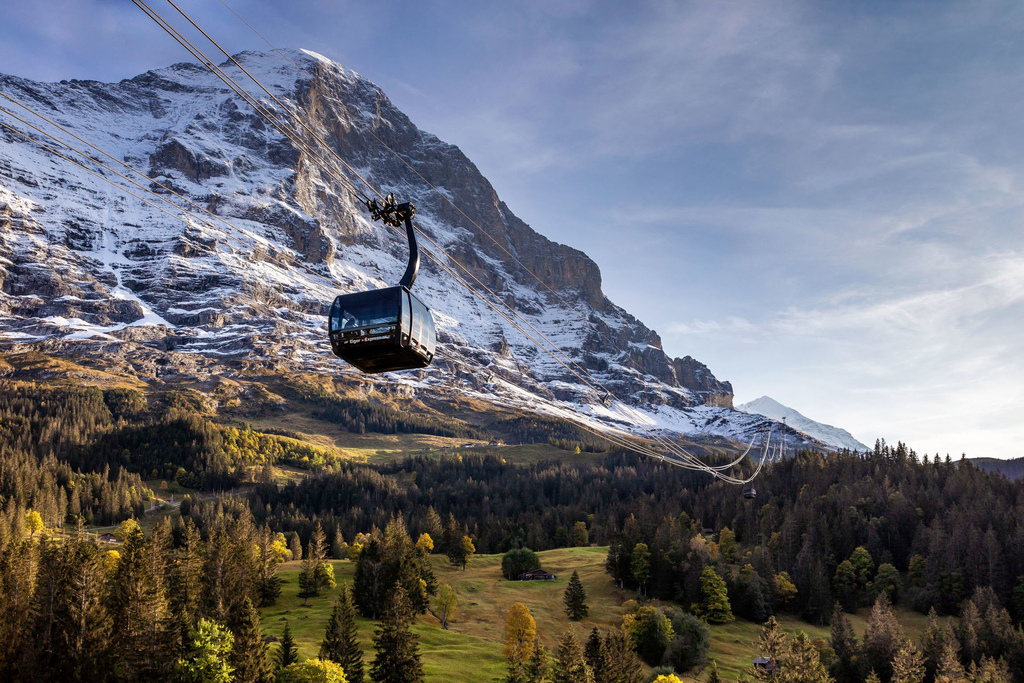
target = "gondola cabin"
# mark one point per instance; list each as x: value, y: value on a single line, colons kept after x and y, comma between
x: 382, y: 330
x: 750, y: 492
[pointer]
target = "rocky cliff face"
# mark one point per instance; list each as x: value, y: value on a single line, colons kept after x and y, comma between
x: 85, y: 265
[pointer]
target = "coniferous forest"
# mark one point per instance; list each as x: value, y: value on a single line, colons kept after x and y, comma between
x: 828, y: 534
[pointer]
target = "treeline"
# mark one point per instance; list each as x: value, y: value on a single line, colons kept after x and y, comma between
x: 75, y: 610
x: 84, y: 453
x: 931, y: 531
x: 361, y: 416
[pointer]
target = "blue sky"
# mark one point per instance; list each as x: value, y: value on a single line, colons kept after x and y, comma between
x: 821, y: 201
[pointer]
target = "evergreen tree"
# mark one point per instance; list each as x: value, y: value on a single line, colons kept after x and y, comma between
x: 883, y: 638
x: 803, y: 664
x: 950, y: 669
x: 249, y: 651
x: 908, y: 666
x: 843, y: 641
x: 596, y: 655
x: 317, y: 574
x: 713, y: 676
x: 771, y: 644
x: 341, y: 642
x: 207, y: 653
x: 287, y: 653
x: 932, y: 643
x: 369, y: 587
x: 139, y: 611
x: 714, y: 605
x: 537, y: 667
x: 570, y: 664
x: 623, y: 665
x: 398, y: 658
x: 575, y: 598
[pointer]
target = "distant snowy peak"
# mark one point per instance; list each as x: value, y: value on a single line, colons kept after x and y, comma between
x: 833, y: 436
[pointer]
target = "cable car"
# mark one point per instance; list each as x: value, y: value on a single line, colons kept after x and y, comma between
x: 750, y: 492
x: 388, y: 329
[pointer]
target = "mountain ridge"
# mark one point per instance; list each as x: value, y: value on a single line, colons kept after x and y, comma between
x: 827, y: 434
x: 85, y: 267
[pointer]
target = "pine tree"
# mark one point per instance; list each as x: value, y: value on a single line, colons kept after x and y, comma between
x: 398, y: 658
x: 287, y: 654
x: 139, y: 611
x: 843, y: 642
x: 714, y: 605
x: 883, y: 638
x: 713, y: 676
x: 950, y: 670
x: 571, y: 665
x: 317, y: 574
x: 341, y: 641
x: 207, y: 653
x: 575, y: 598
x: 596, y: 655
x: 771, y: 644
x: 537, y: 667
x: 908, y: 666
x: 623, y: 664
x: 249, y: 651
x: 802, y: 662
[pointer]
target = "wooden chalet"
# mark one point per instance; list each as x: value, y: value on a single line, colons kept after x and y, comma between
x: 537, y: 575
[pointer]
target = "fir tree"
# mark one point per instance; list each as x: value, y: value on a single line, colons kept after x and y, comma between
x: 206, y: 658
x: 771, y: 644
x: 398, y: 658
x: 249, y: 651
x: 714, y: 605
x: 317, y: 574
x: 623, y: 664
x: 138, y: 609
x: 883, y: 638
x: 341, y: 641
x: 575, y: 598
x: 908, y: 666
x: 571, y: 665
x: 596, y: 655
x: 537, y: 666
x: 843, y: 642
x: 287, y: 654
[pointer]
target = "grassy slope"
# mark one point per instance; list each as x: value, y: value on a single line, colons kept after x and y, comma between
x: 470, y: 651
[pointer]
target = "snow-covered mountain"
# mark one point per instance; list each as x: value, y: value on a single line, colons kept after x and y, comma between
x: 833, y: 436
x: 87, y: 268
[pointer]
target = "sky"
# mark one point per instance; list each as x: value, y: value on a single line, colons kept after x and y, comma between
x: 820, y: 201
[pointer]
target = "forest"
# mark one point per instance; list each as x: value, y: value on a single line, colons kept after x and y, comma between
x: 828, y: 534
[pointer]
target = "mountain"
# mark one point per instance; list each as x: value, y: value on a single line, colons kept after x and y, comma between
x: 827, y: 434
x: 86, y: 269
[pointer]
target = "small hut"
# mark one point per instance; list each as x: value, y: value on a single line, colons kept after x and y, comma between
x: 537, y: 575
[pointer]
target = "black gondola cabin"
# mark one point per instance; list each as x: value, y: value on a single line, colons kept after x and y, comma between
x: 382, y: 330
x: 385, y: 329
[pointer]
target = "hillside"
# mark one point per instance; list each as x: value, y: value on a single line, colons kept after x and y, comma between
x: 470, y: 651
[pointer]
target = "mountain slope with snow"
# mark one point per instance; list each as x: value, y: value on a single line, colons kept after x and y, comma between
x: 833, y: 436
x: 241, y: 278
